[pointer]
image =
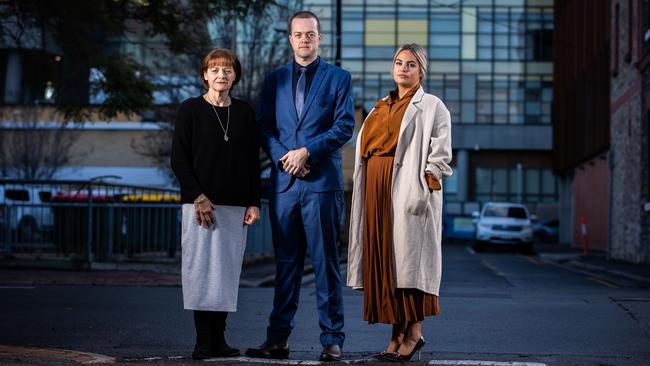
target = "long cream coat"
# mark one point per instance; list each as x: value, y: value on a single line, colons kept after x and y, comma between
x: 424, y: 145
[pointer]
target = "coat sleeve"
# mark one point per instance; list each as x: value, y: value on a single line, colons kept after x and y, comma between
x: 267, y: 123
x: 439, y: 155
x: 343, y: 126
x: 181, y: 157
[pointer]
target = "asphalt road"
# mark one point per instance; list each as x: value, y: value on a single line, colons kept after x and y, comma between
x: 500, y: 307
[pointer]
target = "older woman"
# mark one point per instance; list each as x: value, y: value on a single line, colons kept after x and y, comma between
x: 215, y: 156
x: 402, y: 154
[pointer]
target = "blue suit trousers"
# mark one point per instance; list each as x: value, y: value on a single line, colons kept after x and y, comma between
x: 307, y: 222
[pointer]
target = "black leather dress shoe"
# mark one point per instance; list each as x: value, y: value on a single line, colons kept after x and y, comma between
x: 270, y: 349
x: 331, y: 352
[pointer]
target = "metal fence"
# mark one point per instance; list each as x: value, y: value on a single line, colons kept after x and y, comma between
x: 99, y: 221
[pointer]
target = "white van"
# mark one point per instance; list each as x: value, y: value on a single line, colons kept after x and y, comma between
x: 25, y: 211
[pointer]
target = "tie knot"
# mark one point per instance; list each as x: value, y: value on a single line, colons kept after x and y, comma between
x: 302, y: 70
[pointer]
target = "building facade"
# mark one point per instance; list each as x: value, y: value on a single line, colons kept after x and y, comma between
x: 629, y: 125
x: 490, y: 61
x: 602, y: 117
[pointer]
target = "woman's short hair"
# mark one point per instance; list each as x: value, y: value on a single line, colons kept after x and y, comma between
x: 420, y: 54
x: 221, y: 57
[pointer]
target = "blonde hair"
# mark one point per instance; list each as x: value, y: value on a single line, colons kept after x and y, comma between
x: 420, y: 54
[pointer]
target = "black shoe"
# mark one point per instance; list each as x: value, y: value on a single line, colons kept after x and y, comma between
x: 221, y: 349
x: 331, y: 352
x: 202, y: 348
x: 270, y: 349
x: 380, y: 355
x: 396, y: 357
x: 199, y: 355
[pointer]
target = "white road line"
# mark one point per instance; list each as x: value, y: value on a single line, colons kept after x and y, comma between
x: 483, y: 363
x: 470, y: 250
x: 285, y: 362
x: 366, y: 360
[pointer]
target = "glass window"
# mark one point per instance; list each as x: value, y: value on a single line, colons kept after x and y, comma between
x: 500, y: 94
x: 500, y: 119
x: 485, y: 40
x: 444, y: 53
x: 469, y: 46
x: 449, y: 22
x: 517, y: 94
x: 501, y: 53
x: 516, y: 108
x: 380, y: 52
x: 548, y: 181
x: 532, y: 181
x: 500, y: 180
x: 444, y: 39
x: 483, y: 182
x: 484, y: 53
x: 352, y: 26
x: 468, y: 114
x: 469, y: 87
x: 484, y: 92
x: 351, y: 52
x: 484, y: 107
x: 533, y: 108
x: 501, y: 40
x: 485, y: 23
x: 452, y: 90
x: 500, y: 108
x: 352, y: 39
x: 516, y: 119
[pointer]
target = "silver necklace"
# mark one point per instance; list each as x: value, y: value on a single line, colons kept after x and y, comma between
x: 225, y: 130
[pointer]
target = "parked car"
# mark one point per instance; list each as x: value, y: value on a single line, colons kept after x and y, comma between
x: 504, y: 223
x: 547, y: 231
x: 25, y: 211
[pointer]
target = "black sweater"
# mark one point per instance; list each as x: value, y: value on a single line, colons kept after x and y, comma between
x: 227, y: 172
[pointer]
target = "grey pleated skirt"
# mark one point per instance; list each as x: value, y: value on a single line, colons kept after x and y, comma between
x: 212, y: 259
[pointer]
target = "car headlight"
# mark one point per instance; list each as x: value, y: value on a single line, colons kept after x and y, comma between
x: 484, y: 226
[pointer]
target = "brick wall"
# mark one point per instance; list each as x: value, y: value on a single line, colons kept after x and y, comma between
x: 591, y: 201
x: 628, y: 157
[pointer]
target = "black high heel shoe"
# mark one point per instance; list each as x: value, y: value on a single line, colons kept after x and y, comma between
x: 396, y: 357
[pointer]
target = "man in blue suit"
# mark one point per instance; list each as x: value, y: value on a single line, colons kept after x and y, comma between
x: 306, y: 116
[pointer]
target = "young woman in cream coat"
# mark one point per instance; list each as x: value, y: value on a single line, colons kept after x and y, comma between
x: 402, y: 155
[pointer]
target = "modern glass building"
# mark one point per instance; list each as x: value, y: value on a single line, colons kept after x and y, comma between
x: 489, y: 61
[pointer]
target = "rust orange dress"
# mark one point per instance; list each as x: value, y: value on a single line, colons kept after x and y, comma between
x: 382, y: 301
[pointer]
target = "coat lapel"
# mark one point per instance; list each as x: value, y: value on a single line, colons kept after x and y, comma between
x: 319, y: 76
x: 411, y: 110
x: 286, y: 88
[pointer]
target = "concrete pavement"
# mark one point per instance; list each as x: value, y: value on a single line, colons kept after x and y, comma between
x: 497, y: 307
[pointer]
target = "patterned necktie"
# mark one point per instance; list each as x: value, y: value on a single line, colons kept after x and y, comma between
x: 300, y: 91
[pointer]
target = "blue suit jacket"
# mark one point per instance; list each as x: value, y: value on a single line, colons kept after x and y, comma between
x: 326, y: 124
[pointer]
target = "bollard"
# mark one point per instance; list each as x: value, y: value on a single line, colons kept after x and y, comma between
x: 585, y: 238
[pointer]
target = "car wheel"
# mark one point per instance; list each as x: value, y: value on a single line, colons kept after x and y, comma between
x: 527, y: 249
x: 479, y: 246
x: 26, y: 229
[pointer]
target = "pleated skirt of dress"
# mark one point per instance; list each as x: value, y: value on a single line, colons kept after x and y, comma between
x: 212, y: 259
x: 383, y: 302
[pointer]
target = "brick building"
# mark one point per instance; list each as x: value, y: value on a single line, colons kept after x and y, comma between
x: 629, y: 124
x: 601, y: 121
